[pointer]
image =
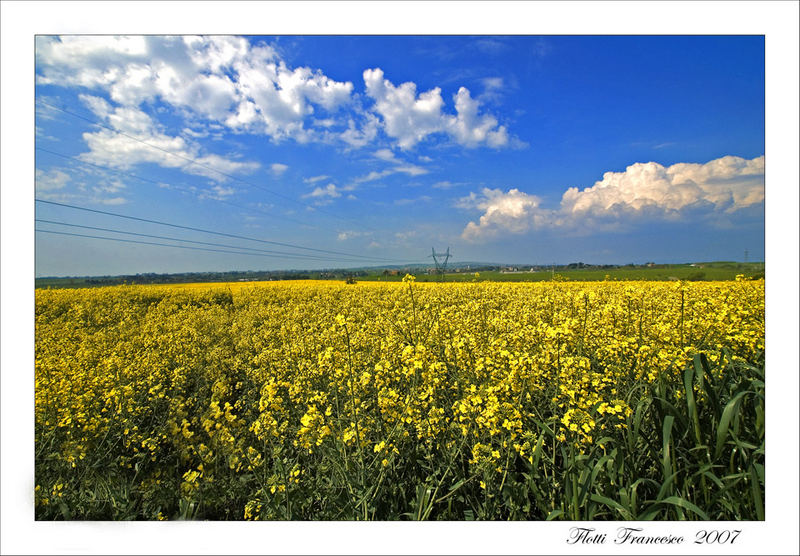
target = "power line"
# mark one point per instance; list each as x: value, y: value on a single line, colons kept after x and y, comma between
x: 152, y: 243
x: 159, y: 184
x: 159, y: 244
x: 328, y: 251
x: 272, y: 253
x: 195, y: 162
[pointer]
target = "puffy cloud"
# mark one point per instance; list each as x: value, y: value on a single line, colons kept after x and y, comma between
x: 471, y: 129
x: 277, y: 100
x: 644, y: 190
x: 385, y: 154
x: 143, y: 141
x: 249, y: 88
x: 220, y: 52
x: 98, y: 105
x: 278, y: 168
x: 514, y: 212
x: 223, y: 79
x: 87, y: 61
x: 409, y: 117
x: 358, y: 137
x: 728, y: 183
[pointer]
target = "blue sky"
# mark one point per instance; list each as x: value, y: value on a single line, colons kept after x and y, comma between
x: 521, y: 149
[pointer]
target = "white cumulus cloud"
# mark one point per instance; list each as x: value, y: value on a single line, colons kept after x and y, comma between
x: 142, y: 140
x: 728, y: 183
x: 409, y: 117
x: 249, y: 88
x: 513, y: 212
x: 472, y: 129
x: 644, y: 190
x: 223, y: 79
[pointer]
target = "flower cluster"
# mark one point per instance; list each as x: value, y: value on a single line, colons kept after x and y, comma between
x: 247, y: 402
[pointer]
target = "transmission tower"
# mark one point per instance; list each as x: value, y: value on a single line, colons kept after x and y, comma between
x: 441, y: 265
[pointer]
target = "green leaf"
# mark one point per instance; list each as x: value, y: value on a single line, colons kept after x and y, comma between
x: 598, y: 466
x: 760, y: 471
x: 688, y: 385
x: 755, y: 489
x: 673, y: 412
x: 666, y: 486
x: 626, y: 515
x: 724, y: 423
x: 64, y: 511
x: 685, y: 504
x: 666, y: 461
x: 554, y: 514
x: 634, y: 494
x: 537, y: 451
x: 650, y: 513
x: 714, y: 479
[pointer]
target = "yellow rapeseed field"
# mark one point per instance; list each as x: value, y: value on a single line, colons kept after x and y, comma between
x: 320, y: 400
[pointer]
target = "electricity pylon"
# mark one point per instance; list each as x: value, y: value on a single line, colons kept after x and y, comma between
x: 441, y: 265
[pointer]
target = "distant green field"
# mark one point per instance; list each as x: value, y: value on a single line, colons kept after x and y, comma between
x: 61, y: 283
x: 701, y: 271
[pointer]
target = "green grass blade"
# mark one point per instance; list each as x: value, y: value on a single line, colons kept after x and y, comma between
x: 760, y: 470
x: 537, y: 452
x: 688, y: 385
x: 626, y: 515
x: 685, y: 504
x: 724, y: 423
x: 755, y: 489
x: 707, y: 381
x: 666, y: 460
